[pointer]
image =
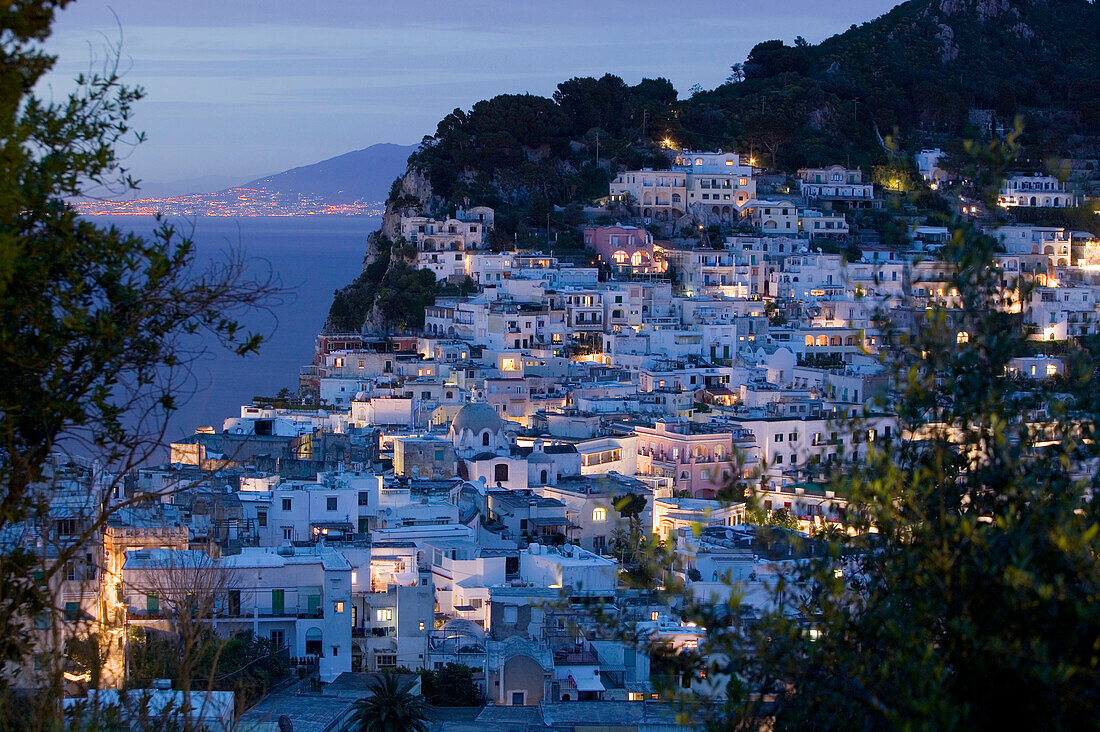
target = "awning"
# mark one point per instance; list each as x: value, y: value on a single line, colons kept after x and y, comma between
x: 548, y: 521
x: 586, y: 683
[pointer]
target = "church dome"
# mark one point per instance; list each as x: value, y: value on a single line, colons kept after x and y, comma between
x: 477, y: 417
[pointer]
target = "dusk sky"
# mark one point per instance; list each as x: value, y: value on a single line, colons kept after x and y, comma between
x: 244, y: 88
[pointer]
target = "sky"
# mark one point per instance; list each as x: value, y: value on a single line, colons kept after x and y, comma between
x: 240, y: 89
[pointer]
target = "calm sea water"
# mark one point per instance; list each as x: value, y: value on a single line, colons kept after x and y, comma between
x: 313, y: 256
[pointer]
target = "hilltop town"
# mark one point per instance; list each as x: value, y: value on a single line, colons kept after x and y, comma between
x: 460, y: 493
x: 769, y: 406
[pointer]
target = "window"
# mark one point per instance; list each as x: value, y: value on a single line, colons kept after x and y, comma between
x: 288, y: 533
x: 384, y: 614
x: 500, y: 473
x: 962, y: 337
x: 261, y: 519
x: 278, y: 602
x: 364, y: 498
x: 792, y: 437
x: 338, y: 606
x: 286, y: 504
x: 152, y: 604
x: 485, y: 438
x: 778, y: 459
x: 330, y: 503
x: 519, y: 698
x: 599, y: 514
x: 420, y: 626
x: 779, y: 437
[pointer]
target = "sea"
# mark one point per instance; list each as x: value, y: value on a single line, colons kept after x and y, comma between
x: 312, y: 256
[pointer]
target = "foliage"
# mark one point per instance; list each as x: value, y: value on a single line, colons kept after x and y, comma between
x: 389, y: 283
x: 630, y: 507
x: 100, y: 325
x: 391, y: 707
x: 451, y: 686
x: 246, y: 664
x: 524, y: 154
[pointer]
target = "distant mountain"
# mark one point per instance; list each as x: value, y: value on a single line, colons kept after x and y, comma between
x: 362, y: 175
x: 184, y: 187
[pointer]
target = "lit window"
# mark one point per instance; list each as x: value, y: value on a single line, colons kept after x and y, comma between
x: 421, y: 626
x: 338, y: 607
x: 691, y: 643
x: 599, y: 514
x: 339, y: 363
x: 354, y: 577
x: 962, y: 337
x: 384, y: 614
x: 1051, y: 369
x: 653, y: 615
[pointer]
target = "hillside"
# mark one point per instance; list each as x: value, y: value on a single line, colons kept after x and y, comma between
x: 929, y: 72
x: 920, y: 69
x: 361, y: 175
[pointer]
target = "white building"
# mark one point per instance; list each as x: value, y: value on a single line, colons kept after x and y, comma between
x: 298, y: 597
x: 1035, y: 189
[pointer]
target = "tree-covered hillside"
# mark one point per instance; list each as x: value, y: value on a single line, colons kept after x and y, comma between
x: 919, y: 69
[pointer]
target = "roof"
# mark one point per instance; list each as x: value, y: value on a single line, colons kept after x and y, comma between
x: 477, y: 417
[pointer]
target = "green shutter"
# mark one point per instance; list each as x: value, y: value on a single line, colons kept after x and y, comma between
x: 152, y: 604
x: 314, y: 604
x: 277, y: 600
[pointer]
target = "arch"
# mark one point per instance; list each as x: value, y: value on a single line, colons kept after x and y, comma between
x: 962, y: 337
x: 1048, y: 249
x: 823, y: 340
x: 1034, y: 201
x: 639, y: 259
x: 543, y: 476
x: 566, y: 697
x: 485, y: 438
x: 620, y: 256
x: 834, y: 341
x: 647, y: 212
x: 714, y: 210
x: 850, y: 341
x: 809, y: 340
x: 1061, y: 262
x: 522, y: 673
x: 770, y: 224
x: 313, y: 642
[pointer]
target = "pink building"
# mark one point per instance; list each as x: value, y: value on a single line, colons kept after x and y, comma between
x: 626, y: 248
x: 698, y: 461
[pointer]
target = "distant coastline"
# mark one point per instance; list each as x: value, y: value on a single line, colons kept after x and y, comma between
x: 231, y: 203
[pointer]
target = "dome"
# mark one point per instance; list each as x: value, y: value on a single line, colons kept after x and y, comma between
x: 477, y: 417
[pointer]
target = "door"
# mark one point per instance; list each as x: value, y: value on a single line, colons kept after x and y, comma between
x: 277, y: 601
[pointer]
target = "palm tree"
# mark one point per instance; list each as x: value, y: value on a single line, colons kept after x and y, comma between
x: 391, y: 707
